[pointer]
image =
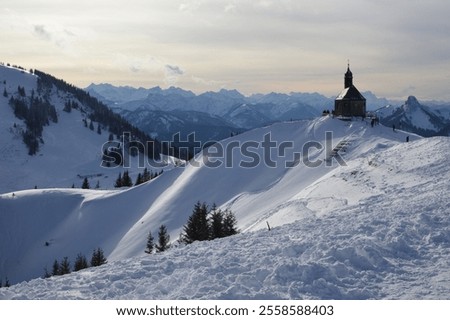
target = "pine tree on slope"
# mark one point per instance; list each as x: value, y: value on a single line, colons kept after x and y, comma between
x: 98, y: 258
x: 197, y: 227
x: 118, y: 183
x: 229, y: 224
x: 138, y: 180
x: 55, y: 268
x: 85, y: 184
x: 163, y: 239
x: 216, y: 223
x: 64, y: 267
x: 150, y: 243
x: 146, y: 175
x: 126, y: 180
x: 80, y: 263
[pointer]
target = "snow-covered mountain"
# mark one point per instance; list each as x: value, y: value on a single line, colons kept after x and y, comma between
x: 416, y: 117
x: 164, y: 124
x: 362, y: 215
x: 69, y: 149
x: 225, y: 106
x: 153, y: 110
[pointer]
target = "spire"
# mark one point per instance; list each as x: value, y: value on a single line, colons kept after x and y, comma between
x: 348, y: 80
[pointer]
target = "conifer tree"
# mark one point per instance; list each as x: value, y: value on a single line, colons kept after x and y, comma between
x: 118, y: 183
x: 146, y: 175
x: 98, y: 258
x: 126, y: 180
x: 229, y: 224
x: 163, y: 239
x: 55, y: 268
x: 64, y: 267
x: 80, y: 263
x: 216, y: 223
x: 197, y: 227
x: 138, y: 180
x: 150, y: 243
x: 85, y: 184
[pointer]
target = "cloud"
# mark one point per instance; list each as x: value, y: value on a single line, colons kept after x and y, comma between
x: 42, y: 33
x: 172, y: 74
x: 55, y: 34
x: 174, y: 70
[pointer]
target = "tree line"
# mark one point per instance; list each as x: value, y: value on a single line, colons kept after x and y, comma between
x: 63, y: 267
x: 124, y: 180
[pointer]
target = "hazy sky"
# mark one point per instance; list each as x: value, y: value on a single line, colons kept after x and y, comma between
x: 396, y: 48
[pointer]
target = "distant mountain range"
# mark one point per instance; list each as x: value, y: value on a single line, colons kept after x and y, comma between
x: 211, y: 115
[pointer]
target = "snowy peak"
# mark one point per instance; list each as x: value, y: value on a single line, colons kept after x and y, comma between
x: 412, y: 104
x: 415, y: 117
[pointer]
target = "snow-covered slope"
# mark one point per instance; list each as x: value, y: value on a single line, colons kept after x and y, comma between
x: 69, y: 152
x: 375, y: 228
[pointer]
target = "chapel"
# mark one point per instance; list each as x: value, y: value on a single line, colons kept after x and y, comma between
x: 350, y: 102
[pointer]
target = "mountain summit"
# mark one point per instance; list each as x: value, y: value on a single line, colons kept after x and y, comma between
x: 415, y: 117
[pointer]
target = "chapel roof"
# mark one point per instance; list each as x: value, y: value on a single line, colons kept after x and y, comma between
x: 350, y: 93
